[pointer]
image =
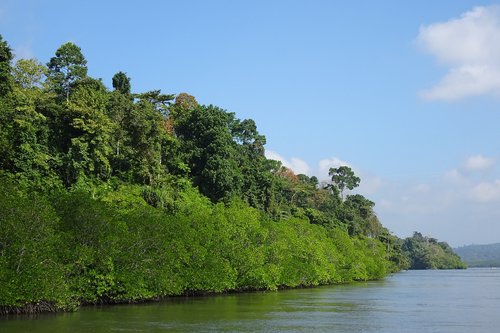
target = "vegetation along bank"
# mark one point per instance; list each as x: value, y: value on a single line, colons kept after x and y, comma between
x: 111, y: 196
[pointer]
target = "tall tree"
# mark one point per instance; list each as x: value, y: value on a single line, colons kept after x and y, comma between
x: 6, y: 56
x: 159, y: 101
x: 343, y: 178
x: 210, y: 151
x: 119, y: 108
x: 121, y: 83
x: 6, y: 108
x: 146, y: 132
x: 67, y: 67
x: 24, y: 129
x: 251, y: 162
x: 90, y: 149
x: 28, y: 134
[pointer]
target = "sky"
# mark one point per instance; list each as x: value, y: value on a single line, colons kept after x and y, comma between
x: 405, y: 93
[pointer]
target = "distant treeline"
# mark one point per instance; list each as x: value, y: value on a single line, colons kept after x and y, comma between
x: 113, y: 196
x: 480, y: 255
x: 429, y: 253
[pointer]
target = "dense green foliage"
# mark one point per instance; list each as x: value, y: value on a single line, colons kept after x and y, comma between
x: 77, y: 247
x: 114, y: 196
x: 480, y: 255
x: 428, y: 253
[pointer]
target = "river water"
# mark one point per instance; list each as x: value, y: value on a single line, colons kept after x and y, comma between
x: 412, y: 301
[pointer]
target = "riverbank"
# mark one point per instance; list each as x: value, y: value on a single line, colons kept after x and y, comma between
x: 46, y: 307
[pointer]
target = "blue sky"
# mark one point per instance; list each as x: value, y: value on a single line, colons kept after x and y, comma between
x: 407, y: 94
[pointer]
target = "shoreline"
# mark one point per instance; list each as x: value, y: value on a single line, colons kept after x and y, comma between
x: 45, y: 307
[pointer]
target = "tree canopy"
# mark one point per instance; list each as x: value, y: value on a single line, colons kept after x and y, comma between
x: 6, y: 57
x: 344, y: 178
x: 65, y: 68
x: 121, y: 83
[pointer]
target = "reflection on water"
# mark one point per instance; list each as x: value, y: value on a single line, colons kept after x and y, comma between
x: 414, y: 301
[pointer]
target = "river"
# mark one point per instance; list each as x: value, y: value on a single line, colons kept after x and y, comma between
x: 412, y: 301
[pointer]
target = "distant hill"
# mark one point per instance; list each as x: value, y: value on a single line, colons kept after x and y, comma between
x: 480, y: 255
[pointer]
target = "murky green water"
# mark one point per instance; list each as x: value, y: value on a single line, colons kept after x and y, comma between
x: 415, y: 301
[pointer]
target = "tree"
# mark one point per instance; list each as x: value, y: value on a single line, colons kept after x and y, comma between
x: 185, y: 102
x: 29, y: 73
x: 6, y: 107
x: 360, y: 217
x: 119, y: 108
x: 90, y: 148
x: 121, y: 83
x: 210, y: 151
x: 343, y: 177
x: 6, y: 57
x: 27, y: 132
x: 67, y: 67
x: 245, y: 132
x: 24, y: 129
x: 144, y: 125
x: 160, y: 102
x: 251, y: 161
x: 428, y: 253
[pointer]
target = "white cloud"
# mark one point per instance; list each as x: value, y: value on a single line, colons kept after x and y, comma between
x: 297, y: 165
x: 478, y: 163
x: 326, y: 164
x: 486, y: 192
x: 369, y: 183
x: 272, y: 155
x: 470, y: 46
x: 455, y: 177
x: 422, y: 188
x: 455, y: 207
x: 465, y: 81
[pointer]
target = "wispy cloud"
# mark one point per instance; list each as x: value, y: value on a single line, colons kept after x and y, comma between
x: 470, y: 47
x: 455, y: 177
x: 479, y: 163
x: 423, y: 188
x: 458, y: 206
x: 486, y: 192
